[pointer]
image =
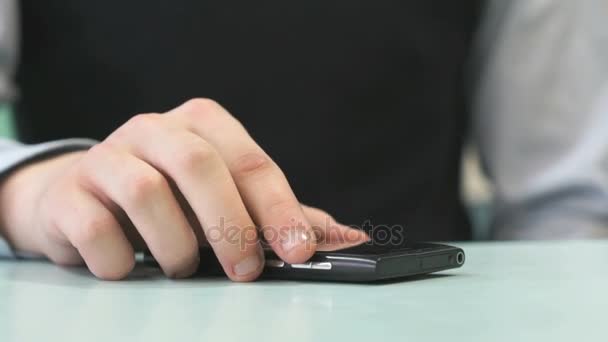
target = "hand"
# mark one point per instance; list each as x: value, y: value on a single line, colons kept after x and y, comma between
x: 168, y: 183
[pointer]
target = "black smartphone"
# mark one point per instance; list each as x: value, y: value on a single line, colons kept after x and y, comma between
x: 363, y: 263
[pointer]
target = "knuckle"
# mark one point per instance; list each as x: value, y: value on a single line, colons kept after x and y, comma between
x: 149, y: 123
x: 93, y: 228
x: 201, y: 105
x: 195, y: 155
x: 140, y: 186
x: 201, y: 110
x: 253, y: 163
x: 143, y: 121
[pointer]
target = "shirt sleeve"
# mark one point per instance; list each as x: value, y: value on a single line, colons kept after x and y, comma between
x: 541, y: 113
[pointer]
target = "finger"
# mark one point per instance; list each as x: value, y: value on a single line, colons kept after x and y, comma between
x: 133, y: 236
x: 144, y: 194
x: 93, y: 231
x: 55, y: 245
x: 205, y: 182
x: 261, y: 183
x: 332, y: 235
x: 58, y: 248
x: 190, y: 214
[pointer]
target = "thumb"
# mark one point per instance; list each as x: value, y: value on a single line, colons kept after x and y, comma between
x: 331, y: 235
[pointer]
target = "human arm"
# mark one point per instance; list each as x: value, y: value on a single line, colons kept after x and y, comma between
x: 541, y: 111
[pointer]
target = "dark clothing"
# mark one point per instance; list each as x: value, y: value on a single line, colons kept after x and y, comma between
x: 360, y: 102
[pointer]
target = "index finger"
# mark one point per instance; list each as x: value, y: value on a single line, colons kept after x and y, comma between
x: 263, y: 187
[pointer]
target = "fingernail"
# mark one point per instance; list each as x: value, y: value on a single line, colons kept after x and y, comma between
x: 295, y: 240
x: 247, y: 266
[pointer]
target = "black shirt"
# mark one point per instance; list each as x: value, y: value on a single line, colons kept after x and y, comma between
x: 360, y: 102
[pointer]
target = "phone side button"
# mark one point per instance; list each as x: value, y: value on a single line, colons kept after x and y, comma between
x: 326, y: 266
x: 275, y: 263
x: 306, y: 265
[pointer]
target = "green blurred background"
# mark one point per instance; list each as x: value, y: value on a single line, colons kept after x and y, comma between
x: 6, y: 122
